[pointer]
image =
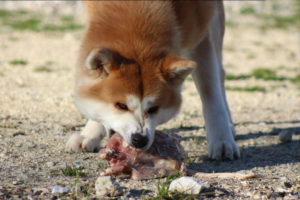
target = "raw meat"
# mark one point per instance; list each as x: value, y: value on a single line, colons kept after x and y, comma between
x: 165, y: 157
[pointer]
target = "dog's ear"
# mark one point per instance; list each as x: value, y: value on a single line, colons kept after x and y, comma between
x: 176, y: 69
x: 100, y: 61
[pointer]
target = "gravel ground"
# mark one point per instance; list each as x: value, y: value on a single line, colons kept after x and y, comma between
x: 37, y: 115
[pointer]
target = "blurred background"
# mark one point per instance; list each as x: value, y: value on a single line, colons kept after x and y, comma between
x: 41, y: 38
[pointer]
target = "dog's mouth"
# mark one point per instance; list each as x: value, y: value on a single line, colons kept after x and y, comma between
x: 111, y: 133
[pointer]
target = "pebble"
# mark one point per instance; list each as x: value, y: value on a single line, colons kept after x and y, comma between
x: 18, y: 145
x: 39, y: 190
x: 59, y: 189
x: 50, y: 164
x: 16, y: 182
x: 244, y: 183
x: 257, y: 196
x: 287, y: 184
x: 281, y: 190
x: 107, y: 186
x: 43, y: 146
x: 272, y: 195
x: 29, y: 197
x: 77, y: 164
x: 187, y: 185
x: 61, y: 182
x: 285, y: 136
x: 295, y: 196
x: 18, y: 133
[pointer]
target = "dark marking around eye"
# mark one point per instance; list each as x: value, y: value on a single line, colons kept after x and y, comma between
x: 122, y: 106
x: 153, y: 110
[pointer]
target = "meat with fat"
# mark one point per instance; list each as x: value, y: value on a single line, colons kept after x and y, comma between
x: 165, y: 157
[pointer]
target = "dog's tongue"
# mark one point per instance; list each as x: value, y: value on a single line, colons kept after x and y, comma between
x: 164, y: 157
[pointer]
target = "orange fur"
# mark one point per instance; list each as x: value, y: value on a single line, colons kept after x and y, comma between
x: 146, y: 32
x: 133, y: 60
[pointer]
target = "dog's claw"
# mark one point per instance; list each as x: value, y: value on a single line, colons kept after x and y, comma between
x: 224, y: 149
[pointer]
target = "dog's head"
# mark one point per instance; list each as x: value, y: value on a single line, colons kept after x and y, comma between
x: 128, y: 97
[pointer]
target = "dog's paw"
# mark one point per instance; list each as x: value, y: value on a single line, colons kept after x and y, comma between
x: 78, y: 143
x: 223, y: 149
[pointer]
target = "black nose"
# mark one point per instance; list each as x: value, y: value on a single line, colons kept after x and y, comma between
x: 138, y: 140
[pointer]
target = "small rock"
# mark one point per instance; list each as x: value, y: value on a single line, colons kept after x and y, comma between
x: 43, y: 146
x: 257, y: 196
x: 61, y: 182
x: 77, y: 164
x: 107, y: 186
x: 36, y: 157
x: 187, y: 185
x: 18, y: 133
x: 281, y: 190
x: 285, y: 136
x: 219, y: 193
x: 283, y: 179
x: 32, y: 146
x: 16, y: 182
x: 294, y: 196
x: 50, y: 164
x: 272, y: 195
x: 244, y: 183
x: 63, y: 165
x: 18, y: 145
x: 287, y: 184
x: 29, y: 197
x: 59, y: 189
x: 39, y: 191
x: 27, y: 190
x: 249, y: 194
x: 54, y: 198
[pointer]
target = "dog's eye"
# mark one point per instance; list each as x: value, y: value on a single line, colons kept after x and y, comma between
x: 121, y: 106
x: 153, y: 110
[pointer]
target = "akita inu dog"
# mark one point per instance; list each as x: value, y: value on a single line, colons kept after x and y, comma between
x: 133, y: 60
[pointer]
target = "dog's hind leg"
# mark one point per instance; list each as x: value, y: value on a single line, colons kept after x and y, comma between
x: 89, y: 139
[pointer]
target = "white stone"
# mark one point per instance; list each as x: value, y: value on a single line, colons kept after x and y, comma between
x: 50, y: 164
x: 107, y: 186
x: 187, y: 185
x: 281, y: 190
x: 285, y: 136
x: 59, y: 189
x: 77, y: 164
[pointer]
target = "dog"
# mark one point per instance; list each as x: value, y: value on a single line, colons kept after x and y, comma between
x: 133, y: 60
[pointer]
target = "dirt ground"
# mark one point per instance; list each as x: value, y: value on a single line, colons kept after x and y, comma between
x: 37, y: 114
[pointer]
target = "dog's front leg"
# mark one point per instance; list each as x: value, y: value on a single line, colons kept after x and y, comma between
x: 207, y: 77
x: 89, y: 139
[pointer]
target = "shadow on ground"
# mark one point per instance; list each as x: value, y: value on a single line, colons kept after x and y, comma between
x: 251, y: 156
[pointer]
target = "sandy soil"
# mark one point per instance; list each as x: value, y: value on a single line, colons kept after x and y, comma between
x: 37, y: 115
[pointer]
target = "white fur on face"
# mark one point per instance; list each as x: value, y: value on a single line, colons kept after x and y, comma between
x: 140, y: 109
x: 149, y: 122
x: 123, y: 123
x: 127, y: 123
